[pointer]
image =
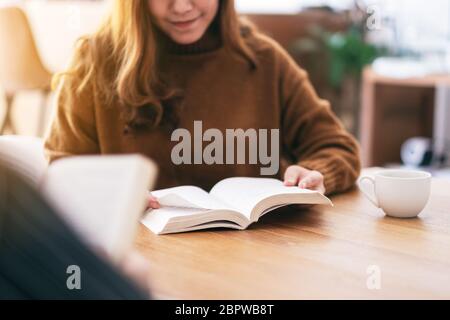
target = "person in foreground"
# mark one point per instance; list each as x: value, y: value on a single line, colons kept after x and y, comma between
x: 158, y: 65
x: 37, y: 248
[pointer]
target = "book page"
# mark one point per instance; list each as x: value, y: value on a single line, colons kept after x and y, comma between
x: 186, y: 207
x: 102, y: 197
x: 177, y: 219
x: 246, y: 193
x: 25, y: 155
x: 188, y: 197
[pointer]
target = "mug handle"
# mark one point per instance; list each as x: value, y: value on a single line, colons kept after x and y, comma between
x: 369, y: 194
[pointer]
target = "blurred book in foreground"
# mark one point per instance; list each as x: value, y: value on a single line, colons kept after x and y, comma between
x: 101, y: 197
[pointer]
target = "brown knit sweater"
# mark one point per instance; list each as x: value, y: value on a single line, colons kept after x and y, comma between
x: 224, y: 93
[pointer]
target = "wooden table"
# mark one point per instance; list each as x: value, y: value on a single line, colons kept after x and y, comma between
x: 318, y: 253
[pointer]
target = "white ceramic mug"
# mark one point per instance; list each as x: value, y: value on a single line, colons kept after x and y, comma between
x: 399, y: 193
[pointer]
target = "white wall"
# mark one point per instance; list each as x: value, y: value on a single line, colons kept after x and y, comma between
x: 285, y: 6
x: 58, y: 24
x: 421, y: 24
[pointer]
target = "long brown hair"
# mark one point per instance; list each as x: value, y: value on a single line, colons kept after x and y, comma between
x: 120, y: 61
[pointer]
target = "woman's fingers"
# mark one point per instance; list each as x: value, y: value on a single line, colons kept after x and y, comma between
x: 153, y: 202
x: 304, y: 178
x: 293, y: 175
x: 313, y: 181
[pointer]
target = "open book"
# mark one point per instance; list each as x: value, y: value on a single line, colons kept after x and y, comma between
x: 101, y: 197
x: 232, y: 203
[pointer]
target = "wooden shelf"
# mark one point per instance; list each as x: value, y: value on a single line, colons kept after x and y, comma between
x: 429, y: 81
x: 394, y: 110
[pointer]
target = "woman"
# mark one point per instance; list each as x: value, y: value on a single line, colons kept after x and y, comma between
x: 157, y: 65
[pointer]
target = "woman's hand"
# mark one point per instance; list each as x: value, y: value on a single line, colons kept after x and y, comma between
x: 153, y: 202
x: 304, y: 178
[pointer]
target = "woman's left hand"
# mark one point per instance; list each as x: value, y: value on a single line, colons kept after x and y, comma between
x: 304, y: 178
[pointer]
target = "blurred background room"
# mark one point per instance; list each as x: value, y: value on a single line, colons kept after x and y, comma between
x: 383, y: 64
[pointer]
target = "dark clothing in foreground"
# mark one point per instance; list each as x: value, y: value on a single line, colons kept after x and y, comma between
x: 37, y: 248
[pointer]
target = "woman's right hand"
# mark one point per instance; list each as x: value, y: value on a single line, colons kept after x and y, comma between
x: 153, y: 202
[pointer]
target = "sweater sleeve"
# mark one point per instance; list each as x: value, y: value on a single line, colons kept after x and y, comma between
x: 73, y: 129
x: 312, y: 135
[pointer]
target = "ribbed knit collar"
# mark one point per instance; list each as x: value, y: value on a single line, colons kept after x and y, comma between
x: 210, y: 41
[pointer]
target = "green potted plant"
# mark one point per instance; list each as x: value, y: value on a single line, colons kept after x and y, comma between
x: 342, y: 56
